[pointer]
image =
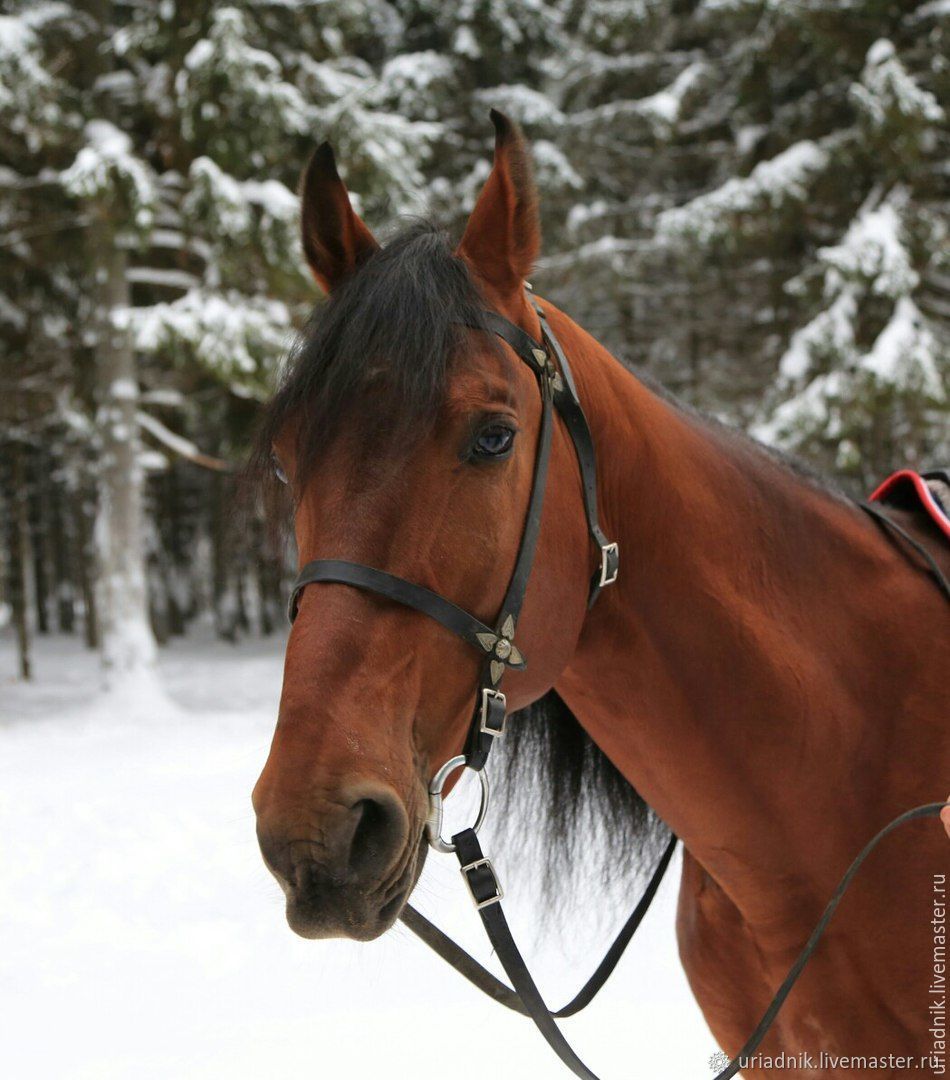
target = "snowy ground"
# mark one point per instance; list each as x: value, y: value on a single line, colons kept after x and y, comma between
x: 140, y: 936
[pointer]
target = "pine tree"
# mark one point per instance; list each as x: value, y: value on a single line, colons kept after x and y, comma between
x: 763, y: 220
x: 747, y: 198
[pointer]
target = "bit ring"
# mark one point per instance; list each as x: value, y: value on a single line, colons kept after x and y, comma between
x: 436, y: 784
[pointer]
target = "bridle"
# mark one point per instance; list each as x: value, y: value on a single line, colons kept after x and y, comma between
x: 496, y: 644
x: 497, y: 648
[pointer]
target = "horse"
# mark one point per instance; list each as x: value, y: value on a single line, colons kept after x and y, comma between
x: 768, y: 673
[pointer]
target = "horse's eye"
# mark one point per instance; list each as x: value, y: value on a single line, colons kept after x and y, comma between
x: 494, y: 441
x: 278, y: 469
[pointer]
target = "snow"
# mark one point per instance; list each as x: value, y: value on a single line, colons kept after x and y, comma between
x: 608, y: 249
x: 144, y: 940
x: 886, y: 90
x: 522, y: 104
x: 232, y: 207
x: 412, y: 82
x: 164, y: 395
x: 161, y: 277
x: 199, y: 55
x: 388, y: 144
x: 818, y: 405
x: 11, y: 314
x: 661, y: 111
x: 872, y: 252
x: 15, y: 35
x: 552, y: 169
x: 181, y: 446
x: 881, y: 50
x: 466, y: 44
x: 218, y: 198
x: 231, y: 334
x: 28, y: 93
x: 903, y: 353
x: 330, y: 81
x: 123, y: 390
x: 274, y: 198
x: 936, y: 8
x: 712, y: 216
x: 107, y: 165
x: 237, y: 75
x: 824, y: 368
x: 830, y: 332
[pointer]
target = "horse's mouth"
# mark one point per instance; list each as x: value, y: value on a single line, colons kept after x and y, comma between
x: 319, y: 907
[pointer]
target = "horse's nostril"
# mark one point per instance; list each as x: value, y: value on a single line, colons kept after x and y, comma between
x: 370, y: 826
x: 355, y: 838
x: 378, y: 836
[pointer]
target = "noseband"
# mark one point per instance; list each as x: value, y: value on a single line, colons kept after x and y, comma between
x: 497, y: 648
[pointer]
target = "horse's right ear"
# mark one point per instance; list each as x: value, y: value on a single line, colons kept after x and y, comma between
x: 335, y: 240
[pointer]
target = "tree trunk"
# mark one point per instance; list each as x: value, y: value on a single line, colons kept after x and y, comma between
x: 39, y: 518
x: 60, y: 541
x: 19, y: 546
x: 85, y: 560
x: 126, y: 640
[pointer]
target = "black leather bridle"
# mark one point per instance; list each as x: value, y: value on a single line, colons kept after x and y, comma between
x: 496, y: 645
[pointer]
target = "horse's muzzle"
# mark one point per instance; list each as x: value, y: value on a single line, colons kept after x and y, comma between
x: 345, y: 873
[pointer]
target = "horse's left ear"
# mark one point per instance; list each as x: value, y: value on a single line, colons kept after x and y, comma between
x: 335, y: 240
x: 503, y: 237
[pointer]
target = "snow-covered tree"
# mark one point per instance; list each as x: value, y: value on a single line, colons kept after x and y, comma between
x: 117, y: 194
x: 753, y: 173
x: 746, y: 197
x: 865, y: 381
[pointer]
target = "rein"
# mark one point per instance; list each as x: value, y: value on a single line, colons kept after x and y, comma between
x: 496, y: 645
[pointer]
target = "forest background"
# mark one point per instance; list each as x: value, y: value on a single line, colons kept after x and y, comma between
x: 748, y: 200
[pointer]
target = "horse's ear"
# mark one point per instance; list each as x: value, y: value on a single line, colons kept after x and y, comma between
x: 335, y: 240
x: 503, y: 237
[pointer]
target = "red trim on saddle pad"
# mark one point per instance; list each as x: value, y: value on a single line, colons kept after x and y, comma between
x: 908, y: 490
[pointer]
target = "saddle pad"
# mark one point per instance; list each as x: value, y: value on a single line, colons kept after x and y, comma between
x: 908, y: 490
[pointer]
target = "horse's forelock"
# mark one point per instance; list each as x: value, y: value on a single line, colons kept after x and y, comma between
x: 385, y: 341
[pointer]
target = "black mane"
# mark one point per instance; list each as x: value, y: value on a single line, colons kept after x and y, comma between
x: 562, y: 805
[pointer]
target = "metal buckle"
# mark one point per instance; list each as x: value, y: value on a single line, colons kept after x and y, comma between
x: 499, y: 891
x: 493, y: 701
x: 609, y: 564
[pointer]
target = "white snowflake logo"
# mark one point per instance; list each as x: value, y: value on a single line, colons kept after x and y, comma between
x: 718, y: 1061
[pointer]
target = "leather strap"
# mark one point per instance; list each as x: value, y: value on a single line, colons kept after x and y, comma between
x: 451, y: 616
x: 882, y: 519
x: 530, y: 351
x: 568, y: 405
x: 480, y: 976
x: 480, y: 741
x: 486, y: 891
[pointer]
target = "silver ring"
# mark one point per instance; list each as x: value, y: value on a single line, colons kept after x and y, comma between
x: 436, y: 784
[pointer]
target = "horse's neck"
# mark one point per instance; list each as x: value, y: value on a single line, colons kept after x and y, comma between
x: 739, y: 673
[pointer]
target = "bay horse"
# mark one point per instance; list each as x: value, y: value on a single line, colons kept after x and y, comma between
x: 769, y: 671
